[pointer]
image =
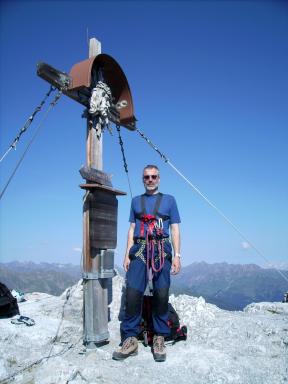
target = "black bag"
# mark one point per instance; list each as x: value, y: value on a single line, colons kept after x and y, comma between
x: 8, y: 303
x: 177, y: 332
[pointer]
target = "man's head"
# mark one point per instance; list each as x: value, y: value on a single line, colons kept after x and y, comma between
x: 151, y: 178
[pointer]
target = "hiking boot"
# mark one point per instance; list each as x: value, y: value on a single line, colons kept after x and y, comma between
x: 129, y: 348
x: 158, y: 349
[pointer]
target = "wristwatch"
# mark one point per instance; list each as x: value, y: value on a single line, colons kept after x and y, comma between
x: 178, y: 255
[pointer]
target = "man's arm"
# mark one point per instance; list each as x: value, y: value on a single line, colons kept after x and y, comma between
x: 130, y: 242
x: 175, y: 237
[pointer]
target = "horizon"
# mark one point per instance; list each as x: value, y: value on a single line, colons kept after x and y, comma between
x: 209, y: 84
x: 274, y: 266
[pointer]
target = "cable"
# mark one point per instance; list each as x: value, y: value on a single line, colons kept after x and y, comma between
x: 124, y: 158
x: 52, y: 104
x: 27, y: 124
x: 163, y: 157
x: 39, y: 361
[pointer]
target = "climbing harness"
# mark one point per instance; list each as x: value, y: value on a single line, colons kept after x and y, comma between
x: 154, y: 236
x: 52, y: 104
x: 154, y: 223
x: 164, y: 158
x: 27, y: 124
x: 123, y: 157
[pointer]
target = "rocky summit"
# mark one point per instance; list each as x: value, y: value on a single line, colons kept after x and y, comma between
x: 222, y: 347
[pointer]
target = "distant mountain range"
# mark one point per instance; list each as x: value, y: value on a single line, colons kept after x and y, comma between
x: 229, y: 286
x: 43, y: 277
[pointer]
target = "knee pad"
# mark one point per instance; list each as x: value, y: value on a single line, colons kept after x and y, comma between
x: 133, y: 301
x: 160, y: 301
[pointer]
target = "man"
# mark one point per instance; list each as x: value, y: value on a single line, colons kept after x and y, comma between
x: 149, y: 257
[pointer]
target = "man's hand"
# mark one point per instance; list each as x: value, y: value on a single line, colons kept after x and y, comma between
x: 126, y: 263
x: 175, y: 237
x: 176, y: 265
x: 130, y: 242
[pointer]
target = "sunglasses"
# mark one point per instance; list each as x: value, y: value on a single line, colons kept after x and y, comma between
x: 147, y: 177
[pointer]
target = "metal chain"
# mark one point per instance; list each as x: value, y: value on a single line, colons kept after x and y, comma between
x: 123, y: 157
x: 52, y: 104
x: 152, y: 145
x: 28, y: 122
x: 209, y: 202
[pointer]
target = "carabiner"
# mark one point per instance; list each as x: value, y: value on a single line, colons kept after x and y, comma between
x: 159, y: 224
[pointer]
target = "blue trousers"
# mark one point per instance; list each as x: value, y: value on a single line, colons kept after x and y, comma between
x: 136, y: 282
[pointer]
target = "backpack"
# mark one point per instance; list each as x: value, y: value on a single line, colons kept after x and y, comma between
x: 8, y: 303
x: 177, y: 332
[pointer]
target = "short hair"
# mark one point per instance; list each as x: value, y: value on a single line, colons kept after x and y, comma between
x: 150, y: 166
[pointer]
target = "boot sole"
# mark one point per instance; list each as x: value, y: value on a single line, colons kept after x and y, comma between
x: 159, y: 358
x: 123, y: 357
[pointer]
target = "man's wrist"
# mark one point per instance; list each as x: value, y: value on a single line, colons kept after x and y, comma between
x: 177, y: 254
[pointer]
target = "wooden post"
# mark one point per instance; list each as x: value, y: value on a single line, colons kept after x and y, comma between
x: 94, y: 145
x: 95, y: 295
x: 94, y: 160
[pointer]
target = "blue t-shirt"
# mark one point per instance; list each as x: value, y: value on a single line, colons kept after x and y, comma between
x: 168, y: 207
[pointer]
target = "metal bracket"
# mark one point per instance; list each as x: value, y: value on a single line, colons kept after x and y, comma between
x: 105, y: 268
x: 104, y: 274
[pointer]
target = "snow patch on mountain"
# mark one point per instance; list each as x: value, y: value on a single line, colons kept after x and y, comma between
x: 222, y: 346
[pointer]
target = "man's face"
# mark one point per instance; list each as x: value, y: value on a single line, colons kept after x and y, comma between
x: 151, y: 179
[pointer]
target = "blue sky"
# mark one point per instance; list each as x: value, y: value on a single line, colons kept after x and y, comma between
x: 209, y: 82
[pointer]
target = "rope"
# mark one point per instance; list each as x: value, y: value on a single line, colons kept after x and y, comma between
x: 124, y: 158
x: 68, y: 293
x: 52, y: 104
x: 27, y: 124
x: 208, y: 201
x: 39, y: 361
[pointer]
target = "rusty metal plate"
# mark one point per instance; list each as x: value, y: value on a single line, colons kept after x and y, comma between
x: 81, y: 74
x: 84, y: 76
